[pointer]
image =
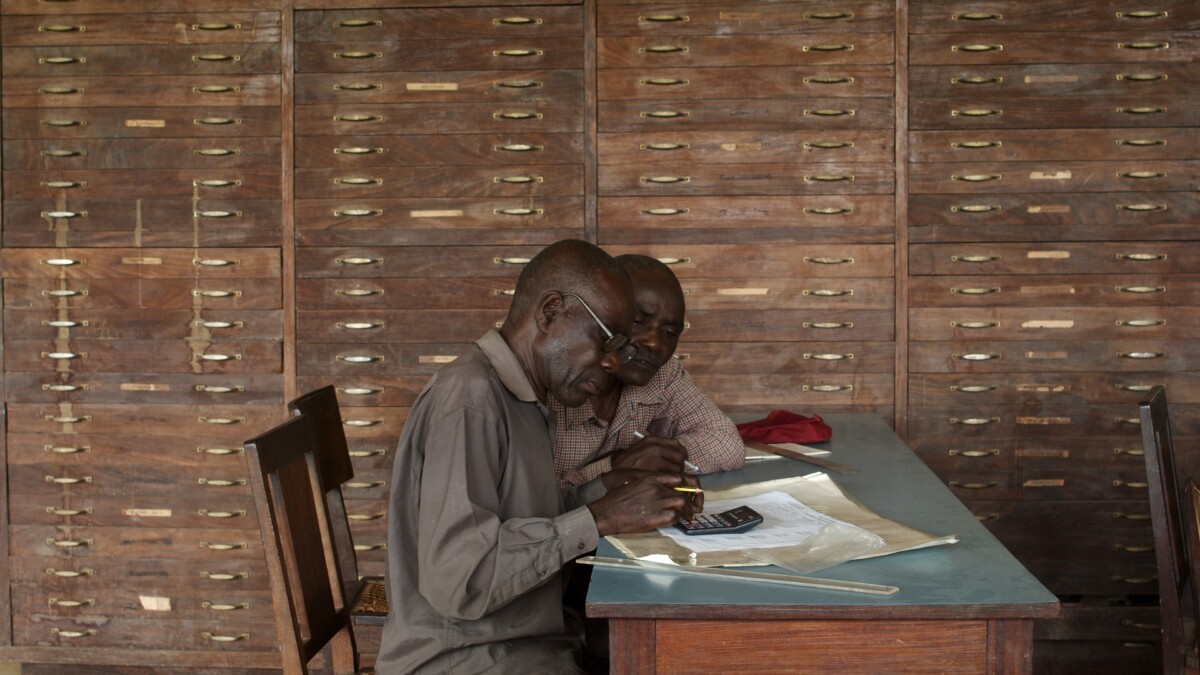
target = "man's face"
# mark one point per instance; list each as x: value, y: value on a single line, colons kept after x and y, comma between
x: 575, y: 363
x: 657, y: 325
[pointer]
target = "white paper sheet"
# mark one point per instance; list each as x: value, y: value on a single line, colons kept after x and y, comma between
x: 786, y: 522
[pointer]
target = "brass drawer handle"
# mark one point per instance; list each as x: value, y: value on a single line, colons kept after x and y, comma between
x: 58, y: 154
x: 68, y: 512
x: 828, y: 388
x: 517, y: 84
x: 664, y: 114
x: 666, y: 260
x: 664, y: 82
x: 513, y: 260
x: 1142, y: 323
x: 216, y: 58
x: 362, y: 423
x: 1142, y: 77
x: 64, y: 184
x: 829, y: 145
x: 355, y: 118
x: 68, y: 480
x: 518, y: 211
x: 66, y: 450
x: 224, y: 576
x: 517, y: 115
x: 828, y: 16
x: 828, y: 48
x: 973, y: 486
x: 218, y: 546
x: 975, y: 145
x: 71, y: 574
x: 216, y: 262
x: 221, y: 514
x: 357, y: 23
x: 828, y: 261
x: 1132, y: 452
x: 64, y: 356
x: 354, y: 150
x: 975, y: 454
x: 829, y: 178
x: 360, y: 391
x: 664, y: 49
x: 977, y: 16
x: 1141, y: 142
x: 358, y: 261
x: 216, y: 325
x: 216, y: 89
x: 63, y: 293
x: 829, y: 112
x: 357, y: 358
x: 357, y: 180
x: 1142, y: 110
x: 60, y: 91
x: 1138, y: 388
x: 517, y: 53
x: 215, y: 183
x: 357, y: 213
x: 517, y: 180
x: 665, y: 18
x: 1141, y: 257
x: 828, y: 357
x: 665, y: 180
x: 978, y: 177
x: 364, y: 485
x: 63, y: 419
x: 1132, y: 485
x: 358, y: 86
x: 60, y: 60
x: 978, y: 356
x: 223, y: 421
x: 71, y: 604
x: 370, y: 547
x: 829, y: 211
x: 357, y: 292
x: 1137, y: 517
x: 976, y: 48
x: 219, y: 452
x: 1141, y: 290
x: 518, y: 147
x: 977, y: 79
x: 217, y: 122
x: 974, y: 421
x: 1142, y: 208
x: 217, y: 214
x: 224, y: 606
x: 365, y: 516
x: 975, y: 208
x: 974, y: 325
x: 516, y: 21
x: 379, y: 452
x: 217, y: 152
x: 1160, y: 44
x: 72, y: 634
x: 358, y: 55
x: 1143, y: 14
x: 1131, y: 421
x: 832, y: 79
x: 225, y: 638
x: 977, y: 112
x: 828, y: 325
x: 221, y: 482
x: 63, y: 262
x: 664, y: 146
x: 202, y: 293
x: 1140, y: 355
x: 62, y: 28
x: 1126, y: 548
x: 360, y: 325
x: 70, y: 543
x: 828, y: 292
x: 64, y: 215
x: 216, y: 26
x: 664, y: 211
x: 1142, y: 175
x: 976, y: 290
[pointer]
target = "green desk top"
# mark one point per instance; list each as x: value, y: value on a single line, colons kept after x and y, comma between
x: 974, y: 578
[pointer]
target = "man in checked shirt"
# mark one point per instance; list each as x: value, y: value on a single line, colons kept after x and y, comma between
x: 652, y: 416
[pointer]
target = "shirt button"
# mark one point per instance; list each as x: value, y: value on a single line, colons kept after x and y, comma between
x: 541, y: 573
x: 580, y: 546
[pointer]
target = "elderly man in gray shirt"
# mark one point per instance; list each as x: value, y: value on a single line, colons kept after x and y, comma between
x: 479, y: 529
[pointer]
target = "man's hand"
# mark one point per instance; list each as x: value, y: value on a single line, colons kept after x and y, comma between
x: 645, y: 502
x: 651, y: 454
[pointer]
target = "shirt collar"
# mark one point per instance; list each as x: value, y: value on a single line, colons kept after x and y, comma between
x: 507, y: 367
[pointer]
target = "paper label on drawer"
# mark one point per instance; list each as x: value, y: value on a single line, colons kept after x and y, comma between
x: 155, y: 603
x: 1048, y: 324
x: 1043, y: 421
x: 437, y: 213
x: 144, y: 386
x: 1049, y: 175
x: 1051, y: 79
x: 1056, y: 454
x: 1048, y: 290
x: 147, y: 513
x: 741, y: 16
x: 736, y: 147
x: 1044, y: 388
x: 141, y: 261
x: 1048, y: 255
x: 743, y: 291
x: 1048, y: 208
x: 145, y: 124
x: 1045, y: 355
x: 431, y: 86
x: 436, y: 358
x: 1044, y: 482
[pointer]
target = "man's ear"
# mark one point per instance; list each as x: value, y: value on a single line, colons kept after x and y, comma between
x: 550, y: 309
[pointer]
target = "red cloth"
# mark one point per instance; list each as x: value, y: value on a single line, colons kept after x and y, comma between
x: 782, y: 426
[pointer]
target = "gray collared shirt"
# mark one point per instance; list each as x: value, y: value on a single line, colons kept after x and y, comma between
x: 478, y: 528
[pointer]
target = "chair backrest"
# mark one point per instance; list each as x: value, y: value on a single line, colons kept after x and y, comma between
x: 311, y: 610
x: 333, y: 460
x: 1170, y: 545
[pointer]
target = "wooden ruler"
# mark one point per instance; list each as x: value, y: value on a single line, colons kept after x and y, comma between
x: 801, y: 457
x: 763, y: 577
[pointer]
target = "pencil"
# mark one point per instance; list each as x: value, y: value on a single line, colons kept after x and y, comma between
x: 686, y: 488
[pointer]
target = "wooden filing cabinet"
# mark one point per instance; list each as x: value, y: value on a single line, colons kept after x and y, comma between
x: 1051, y: 231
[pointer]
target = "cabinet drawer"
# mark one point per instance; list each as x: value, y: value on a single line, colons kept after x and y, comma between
x: 70, y: 125
x: 135, y: 603
x: 758, y: 295
x: 203, y: 577
x: 785, y: 325
x: 797, y: 261
x: 997, y: 112
x: 1005, y: 389
x: 745, y: 179
x: 751, y: 50
x: 431, y: 118
x: 142, y: 28
x: 707, y: 359
x: 1052, y: 145
x: 108, y: 542
x: 369, y: 485
x: 124, y: 6
x: 359, y: 152
x: 215, y: 235
x: 147, y: 388
x: 696, y: 148
x: 733, y: 18
x: 1048, y: 421
x: 140, y: 263
x: 132, y: 510
x: 215, y: 457
x: 868, y: 391
x: 514, y: 53
x: 980, y: 356
x: 1068, y: 531
x: 1098, y: 323
x: 86, y: 217
x: 438, y: 221
x: 1056, y: 177
x: 1102, y: 618
x: 180, y: 422
x: 1080, y: 290
x: 432, y: 181
x: 1123, y: 453
x: 948, y: 16
x: 117, y: 356
x: 67, y: 91
x: 437, y: 23
x: 715, y: 220
x: 142, y: 154
x: 975, y: 48
x: 134, y: 184
x: 145, y: 325
x: 1052, y: 258
x: 223, y: 634
x: 1112, y: 81
x: 746, y: 82
x: 414, y: 261
x: 149, y: 293
x: 391, y: 293
x: 1102, y: 657
x: 354, y: 361
x: 775, y: 115
x: 442, y: 87
x: 79, y: 60
x: 367, y: 390
x: 376, y: 325
x: 77, y: 481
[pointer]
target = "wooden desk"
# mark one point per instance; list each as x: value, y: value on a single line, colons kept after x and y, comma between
x: 963, y: 608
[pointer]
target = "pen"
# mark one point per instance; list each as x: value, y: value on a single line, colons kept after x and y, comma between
x: 686, y: 488
x: 690, y: 467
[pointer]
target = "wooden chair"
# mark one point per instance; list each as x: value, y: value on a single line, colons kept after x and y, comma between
x: 1177, y: 604
x: 368, y: 595
x: 311, y: 612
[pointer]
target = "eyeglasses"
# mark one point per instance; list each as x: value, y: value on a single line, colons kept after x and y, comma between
x: 617, y: 343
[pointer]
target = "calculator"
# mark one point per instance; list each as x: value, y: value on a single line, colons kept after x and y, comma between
x: 732, y: 521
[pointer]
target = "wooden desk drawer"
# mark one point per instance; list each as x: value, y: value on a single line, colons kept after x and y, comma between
x: 948, y: 16
x: 380, y: 326
x: 997, y: 112
x: 180, y: 422
x: 367, y: 390
x: 804, y: 49
x: 149, y: 293
x: 1112, y: 81
x: 1052, y: 258
x: 1006, y: 389
x: 744, y: 179
x: 433, y: 118
x: 85, y: 61
x: 211, y: 635
x: 86, y: 216
x: 201, y: 122
x: 101, y: 543
x: 58, y: 575
x: 373, y: 220
x: 396, y: 183
x: 1099, y: 323
x: 145, y: 325
x: 202, y: 455
x: 413, y: 261
x: 774, y: 115
x: 733, y: 18
x: 785, y: 325
x: 1111, y: 290
x: 73, y: 91
x: 975, y: 48
x: 750, y: 147
x: 382, y: 360
x: 171, y: 153
x: 1052, y: 145
x: 797, y: 261
x: 704, y: 359
x: 128, y: 602
x: 133, y: 510
x: 769, y: 294
x: 149, y: 356
x: 1056, y: 177
x: 745, y: 82
x: 392, y: 293
x: 437, y: 23
x: 980, y: 356
x: 360, y: 152
x: 142, y: 28
x: 140, y: 263
x: 441, y: 87
x: 259, y: 183
x: 147, y: 388
x: 513, y: 53
x: 825, y: 392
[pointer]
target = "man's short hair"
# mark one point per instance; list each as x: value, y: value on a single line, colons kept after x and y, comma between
x: 650, y: 266
x: 570, y: 265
